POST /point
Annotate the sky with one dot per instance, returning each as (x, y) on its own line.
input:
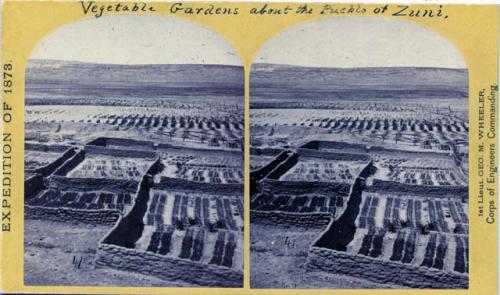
(350, 42)
(136, 39)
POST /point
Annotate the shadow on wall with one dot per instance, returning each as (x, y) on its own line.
(342, 230)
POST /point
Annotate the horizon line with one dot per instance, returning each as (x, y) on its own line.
(365, 67)
(126, 64)
(255, 63)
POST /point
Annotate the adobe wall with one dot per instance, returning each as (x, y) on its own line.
(32, 186)
(265, 151)
(363, 148)
(341, 145)
(125, 142)
(384, 186)
(92, 184)
(303, 187)
(333, 156)
(126, 232)
(201, 151)
(97, 150)
(52, 167)
(234, 189)
(409, 153)
(97, 217)
(262, 172)
(145, 149)
(70, 164)
(167, 268)
(380, 271)
(310, 220)
(338, 145)
(283, 167)
(58, 148)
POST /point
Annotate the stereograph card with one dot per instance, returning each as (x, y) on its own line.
(249, 148)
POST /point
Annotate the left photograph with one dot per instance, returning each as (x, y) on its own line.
(134, 168)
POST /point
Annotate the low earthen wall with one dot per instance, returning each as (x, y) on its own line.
(384, 186)
(58, 148)
(70, 164)
(52, 167)
(97, 217)
(167, 268)
(310, 220)
(142, 144)
(262, 172)
(333, 156)
(235, 189)
(265, 151)
(284, 166)
(303, 187)
(126, 232)
(92, 184)
(32, 186)
(409, 153)
(385, 272)
(97, 150)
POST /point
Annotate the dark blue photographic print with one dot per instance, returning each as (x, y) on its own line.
(134, 156)
(359, 158)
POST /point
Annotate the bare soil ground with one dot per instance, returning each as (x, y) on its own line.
(53, 251)
(278, 257)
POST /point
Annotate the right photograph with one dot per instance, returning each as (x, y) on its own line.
(359, 158)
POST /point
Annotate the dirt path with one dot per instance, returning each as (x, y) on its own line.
(277, 260)
(62, 254)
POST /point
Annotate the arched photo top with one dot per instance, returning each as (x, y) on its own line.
(175, 66)
(358, 58)
(136, 39)
(357, 42)
(136, 50)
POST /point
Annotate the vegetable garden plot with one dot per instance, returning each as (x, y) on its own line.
(415, 231)
(89, 200)
(394, 212)
(439, 251)
(412, 127)
(211, 174)
(182, 210)
(420, 171)
(324, 170)
(233, 160)
(364, 121)
(204, 173)
(195, 122)
(197, 244)
(432, 162)
(172, 163)
(197, 227)
(307, 203)
(137, 116)
(102, 166)
(220, 126)
(328, 118)
(417, 176)
(418, 151)
(202, 167)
